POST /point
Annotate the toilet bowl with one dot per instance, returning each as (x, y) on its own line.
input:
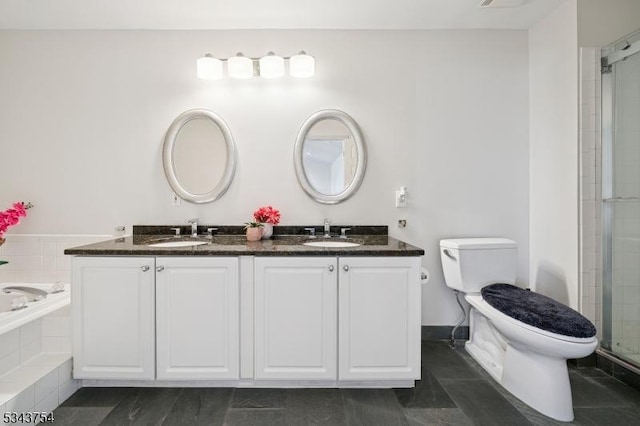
(526, 351)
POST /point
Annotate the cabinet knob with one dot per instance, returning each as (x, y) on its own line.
(145, 268)
(159, 268)
(346, 268)
(330, 268)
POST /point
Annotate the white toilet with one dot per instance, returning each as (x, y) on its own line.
(521, 338)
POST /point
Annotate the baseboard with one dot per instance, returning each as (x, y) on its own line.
(588, 361)
(443, 332)
(618, 369)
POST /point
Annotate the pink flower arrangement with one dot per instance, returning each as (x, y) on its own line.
(267, 214)
(12, 216)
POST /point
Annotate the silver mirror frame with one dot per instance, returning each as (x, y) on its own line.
(298, 153)
(168, 158)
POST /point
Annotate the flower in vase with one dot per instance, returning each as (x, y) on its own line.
(267, 214)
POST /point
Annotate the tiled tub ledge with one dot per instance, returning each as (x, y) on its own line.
(39, 385)
(35, 357)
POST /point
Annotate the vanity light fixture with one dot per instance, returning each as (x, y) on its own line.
(302, 65)
(209, 68)
(269, 66)
(240, 66)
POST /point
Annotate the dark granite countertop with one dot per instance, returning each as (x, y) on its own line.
(232, 243)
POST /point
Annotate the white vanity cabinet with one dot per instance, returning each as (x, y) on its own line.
(295, 318)
(113, 308)
(197, 318)
(348, 319)
(379, 310)
(163, 317)
(306, 321)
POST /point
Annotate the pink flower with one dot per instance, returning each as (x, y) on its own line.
(267, 214)
(20, 209)
(11, 216)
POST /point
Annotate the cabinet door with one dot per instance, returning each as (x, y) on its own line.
(113, 317)
(197, 318)
(379, 311)
(295, 318)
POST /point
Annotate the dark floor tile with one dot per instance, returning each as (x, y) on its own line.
(593, 392)
(199, 406)
(372, 407)
(607, 416)
(79, 416)
(254, 417)
(428, 393)
(437, 417)
(473, 364)
(98, 397)
(587, 372)
(149, 406)
(315, 407)
(535, 418)
(446, 363)
(482, 403)
(258, 398)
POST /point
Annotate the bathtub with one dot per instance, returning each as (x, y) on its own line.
(10, 320)
(35, 370)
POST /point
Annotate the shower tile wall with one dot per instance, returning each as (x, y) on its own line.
(591, 189)
(626, 221)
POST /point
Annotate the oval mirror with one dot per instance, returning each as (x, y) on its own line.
(330, 156)
(199, 156)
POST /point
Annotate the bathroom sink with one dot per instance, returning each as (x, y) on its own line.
(174, 244)
(331, 244)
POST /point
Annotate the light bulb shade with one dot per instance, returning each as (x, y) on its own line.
(209, 68)
(271, 66)
(302, 65)
(240, 67)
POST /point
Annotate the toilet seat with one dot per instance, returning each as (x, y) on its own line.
(492, 313)
(537, 310)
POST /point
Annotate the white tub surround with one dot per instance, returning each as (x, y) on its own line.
(34, 310)
(39, 258)
(35, 356)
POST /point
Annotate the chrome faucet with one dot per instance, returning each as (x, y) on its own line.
(37, 293)
(194, 227)
(327, 228)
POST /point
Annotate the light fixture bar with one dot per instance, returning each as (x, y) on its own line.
(270, 66)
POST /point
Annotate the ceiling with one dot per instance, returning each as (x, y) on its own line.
(267, 14)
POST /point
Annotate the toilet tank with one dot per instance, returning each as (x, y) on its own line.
(472, 263)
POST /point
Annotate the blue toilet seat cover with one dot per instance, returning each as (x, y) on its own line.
(537, 310)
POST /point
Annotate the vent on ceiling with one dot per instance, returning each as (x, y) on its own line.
(501, 3)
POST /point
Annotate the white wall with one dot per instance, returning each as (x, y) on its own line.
(601, 22)
(553, 198)
(469, 152)
(83, 115)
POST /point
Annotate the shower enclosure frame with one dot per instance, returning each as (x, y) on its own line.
(610, 56)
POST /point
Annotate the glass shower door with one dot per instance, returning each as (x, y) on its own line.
(621, 205)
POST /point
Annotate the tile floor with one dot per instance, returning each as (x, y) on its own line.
(454, 390)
